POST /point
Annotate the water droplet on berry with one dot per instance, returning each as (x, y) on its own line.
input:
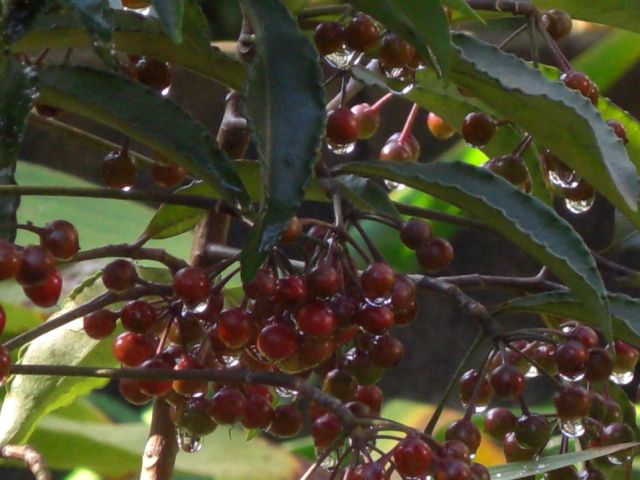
(576, 378)
(166, 91)
(579, 206)
(341, 59)
(341, 149)
(189, 443)
(533, 372)
(619, 459)
(286, 393)
(621, 378)
(231, 360)
(572, 428)
(331, 461)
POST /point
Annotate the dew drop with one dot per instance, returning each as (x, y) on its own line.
(189, 443)
(166, 91)
(576, 378)
(622, 457)
(140, 11)
(341, 149)
(533, 372)
(286, 393)
(478, 408)
(341, 59)
(572, 428)
(579, 206)
(563, 179)
(330, 461)
(621, 378)
(231, 360)
(126, 189)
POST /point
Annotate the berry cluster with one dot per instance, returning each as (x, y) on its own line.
(119, 170)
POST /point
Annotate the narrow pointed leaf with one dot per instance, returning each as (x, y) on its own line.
(170, 13)
(463, 7)
(285, 106)
(423, 23)
(559, 118)
(95, 16)
(367, 195)
(528, 223)
(621, 13)
(145, 116)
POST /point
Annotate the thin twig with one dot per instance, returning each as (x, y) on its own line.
(130, 251)
(30, 457)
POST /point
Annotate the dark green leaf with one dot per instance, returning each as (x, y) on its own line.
(95, 16)
(145, 116)
(622, 14)
(423, 23)
(463, 7)
(528, 223)
(513, 471)
(170, 13)
(285, 106)
(367, 195)
(17, 89)
(559, 118)
(140, 35)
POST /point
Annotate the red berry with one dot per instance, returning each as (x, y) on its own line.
(375, 319)
(193, 416)
(138, 316)
(155, 387)
(362, 33)
(10, 260)
(466, 432)
(412, 457)
(119, 275)
(234, 327)
(558, 23)
(438, 127)
(368, 471)
(136, 4)
(227, 405)
(153, 73)
(533, 431)
(100, 324)
(498, 422)
(292, 231)
(5, 364)
(387, 351)
(619, 130)
(262, 285)
(414, 233)
(341, 384)
(188, 387)
(453, 469)
(572, 403)
(47, 293)
(192, 285)
(599, 365)
(119, 170)
(585, 335)
(368, 120)
(581, 82)
(61, 238)
(167, 174)
(323, 281)
(478, 129)
(435, 254)
(467, 386)
(626, 357)
(287, 421)
(507, 381)
(37, 266)
(325, 430)
(514, 451)
(131, 349)
(291, 289)
(342, 127)
(410, 142)
(277, 341)
(395, 52)
(329, 37)
(131, 392)
(571, 357)
(377, 280)
(371, 396)
(403, 293)
(316, 319)
(395, 152)
(258, 412)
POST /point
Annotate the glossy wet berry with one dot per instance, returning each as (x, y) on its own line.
(396, 152)
(412, 457)
(466, 432)
(234, 327)
(342, 126)
(368, 471)
(277, 341)
(341, 384)
(453, 469)
(329, 37)
(619, 129)
(60, 238)
(572, 402)
(514, 451)
(507, 381)
(582, 83)
(323, 281)
(193, 416)
(467, 387)
(626, 357)
(131, 349)
(227, 405)
(119, 275)
(167, 174)
(155, 387)
(599, 365)
(153, 73)
(368, 120)
(316, 319)
(435, 254)
(10, 260)
(439, 128)
(258, 412)
(362, 33)
(188, 388)
(192, 285)
(377, 280)
(480, 472)
(36, 267)
(395, 52)
(414, 232)
(375, 319)
(287, 421)
(533, 431)
(138, 316)
(119, 170)
(131, 392)
(499, 421)
(47, 293)
(387, 351)
(478, 129)
(325, 429)
(370, 395)
(558, 23)
(585, 335)
(100, 324)
(571, 357)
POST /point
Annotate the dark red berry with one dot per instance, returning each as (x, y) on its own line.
(155, 387)
(362, 33)
(341, 384)
(585, 335)
(599, 365)
(467, 386)
(60, 238)
(277, 341)
(10, 260)
(571, 357)
(234, 327)
(119, 170)
(435, 254)
(119, 275)
(480, 472)
(466, 432)
(453, 469)
(581, 82)
(507, 381)
(558, 23)
(292, 231)
(396, 152)
(131, 392)
(228, 405)
(37, 266)
(189, 387)
(438, 127)
(564, 473)
(499, 421)
(153, 73)
(370, 395)
(329, 37)
(325, 430)
(368, 120)
(375, 319)
(138, 316)
(626, 357)
(47, 293)
(167, 174)
(136, 4)
(572, 402)
(395, 52)
(368, 471)
(100, 324)
(619, 130)
(323, 281)
(387, 351)
(131, 349)
(258, 412)
(410, 142)
(377, 280)
(412, 457)
(533, 431)
(193, 416)
(263, 284)
(287, 421)
(514, 451)
(478, 129)
(414, 233)
(291, 289)
(316, 319)
(615, 434)
(192, 285)
(342, 127)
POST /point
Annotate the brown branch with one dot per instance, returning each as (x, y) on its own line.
(527, 284)
(161, 448)
(30, 457)
(132, 251)
(516, 7)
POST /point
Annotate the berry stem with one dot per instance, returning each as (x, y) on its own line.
(130, 251)
(523, 145)
(533, 41)
(408, 125)
(471, 407)
(462, 366)
(561, 60)
(516, 7)
(381, 101)
(30, 457)
(377, 256)
(512, 36)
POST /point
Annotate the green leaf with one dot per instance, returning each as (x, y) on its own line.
(624, 309)
(115, 450)
(423, 23)
(16, 98)
(140, 35)
(559, 118)
(285, 106)
(170, 13)
(463, 7)
(513, 471)
(172, 220)
(623, 14)
(95, 16)
(20, 18)
(20, 319)
(145, 116)
(528, 223)
(367, 195)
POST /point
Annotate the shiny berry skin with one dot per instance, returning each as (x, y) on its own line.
(10, 260)
(323, 281)
(136, 4)
(412, 457)
(455, 449)
(572, 403)
(341, 384)
(403, 294)
(498, 422)
(375, 319)
(263, 284)
(342, 126)
(395, 52)
(325, 429)
(234, 327)
(5, 364)
(370, 395)
(138, 316)
(619, 130)
(188, 387)
(439, 128)
(585, 335)
(507, 381)
(362, 33)
(616, 433)
(533, 431)
(387, 351)
(368, 471)
(599, 365)
(410, 142)
(287, 421)
(514, 451)
(131, 349)
(453, 469)
(329, 37)
(99, 324)
(435, 254)
(192, 285)
(292, 231)
(581, 191)
(480, 472)
(60, 238)
(467, 386)
(47, 293)
(167, 174)
(258, 412)
(377, 280)
(131, 392)
(571, 357)
(155, 387)
(368, 120)
(277, 342)
(581, 82)
(291, 289)
(395, 152)
(153, 73)
(193, 416)
(466, 432)
(414, 232)
(626, 357)
(119, 170)
(37, 265)
(316, 319)
(478, 129)
(119, 275)
(227, 406)
(559, 23)
(509, 167)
